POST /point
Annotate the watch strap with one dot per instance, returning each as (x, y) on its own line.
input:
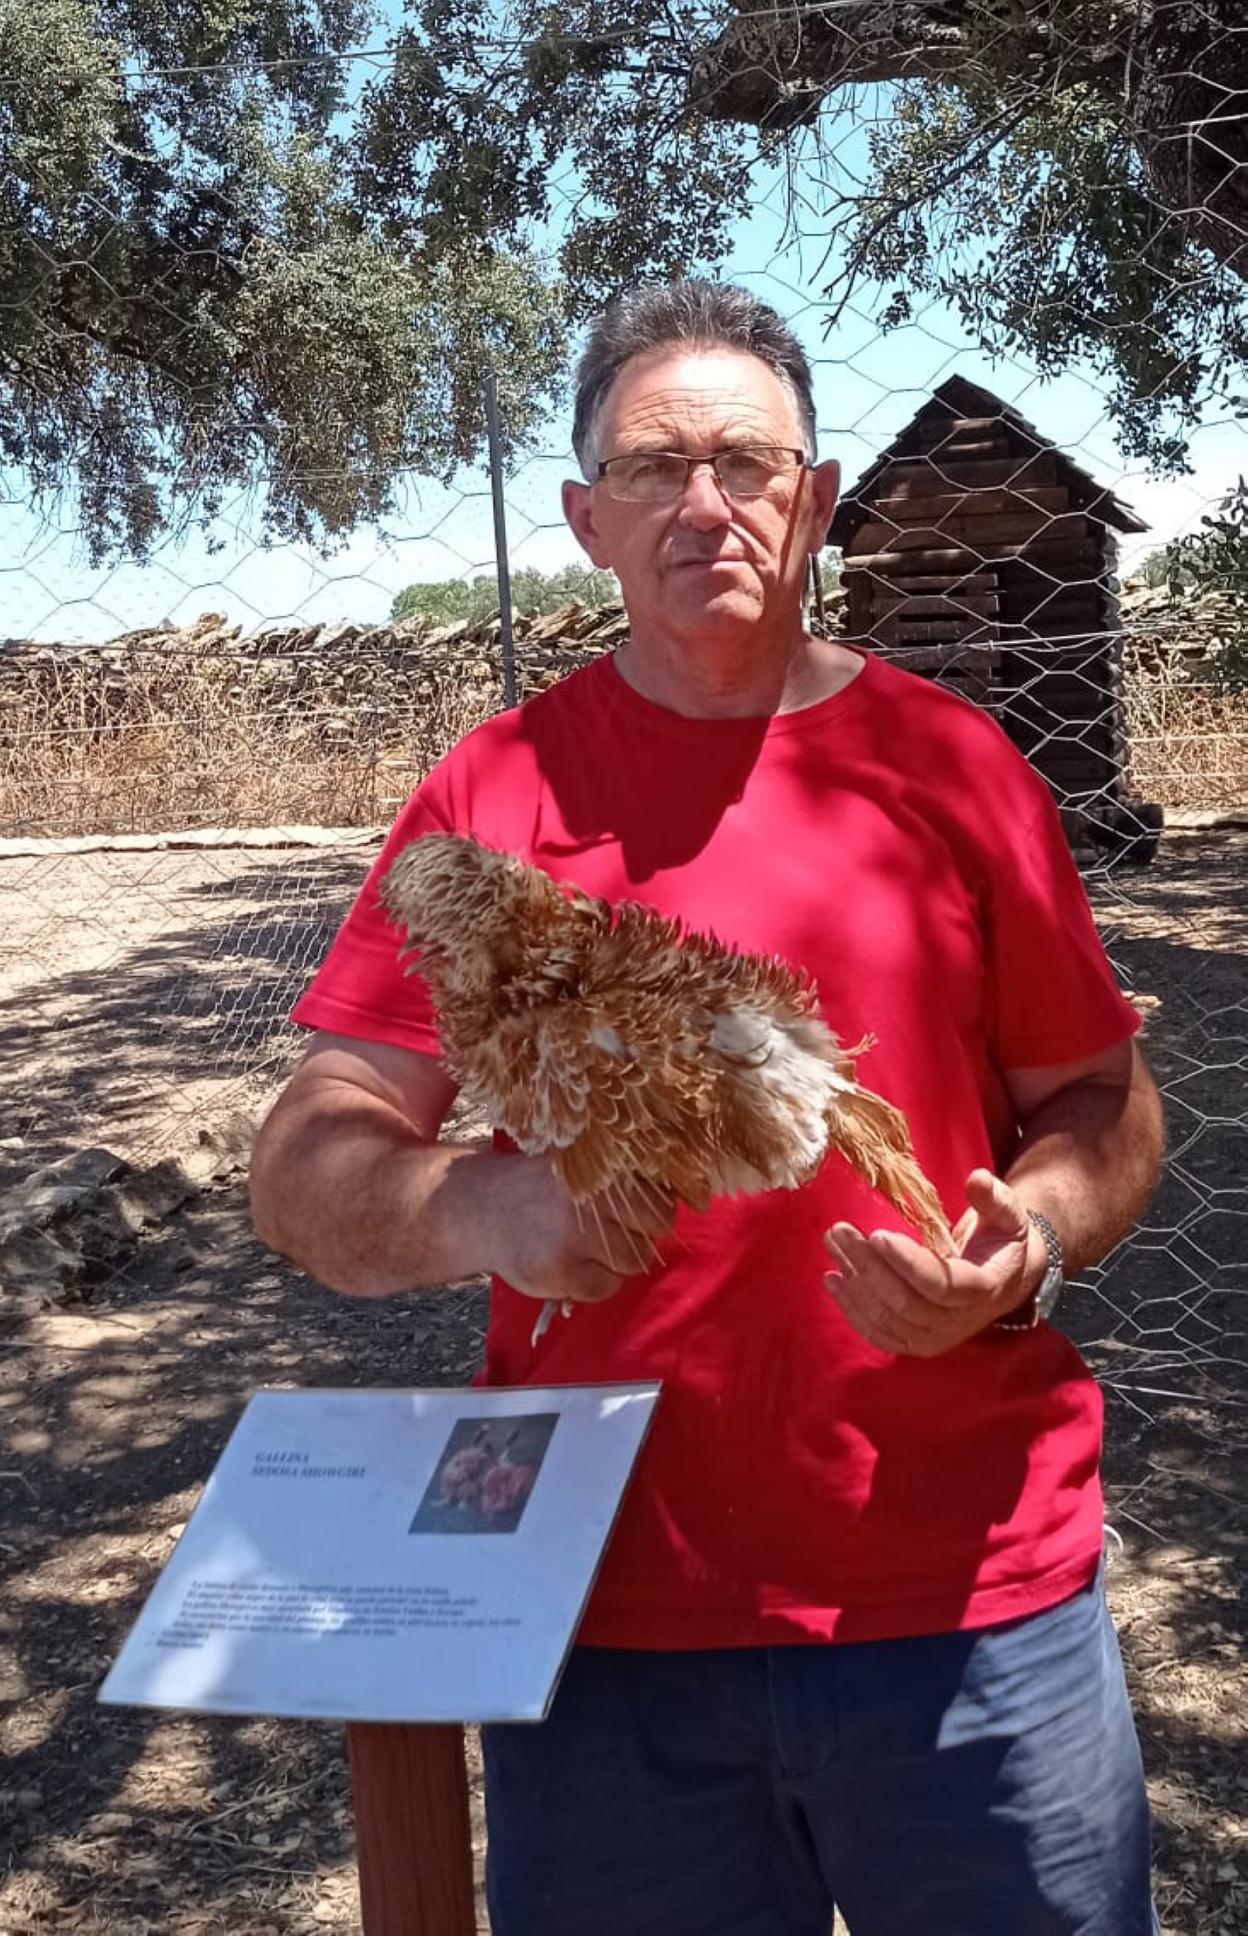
(1043, 1299)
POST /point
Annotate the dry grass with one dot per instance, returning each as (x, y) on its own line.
(1189, 743)
(178, 739)
(218, 741)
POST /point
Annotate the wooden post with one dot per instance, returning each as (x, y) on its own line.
(412, 1830)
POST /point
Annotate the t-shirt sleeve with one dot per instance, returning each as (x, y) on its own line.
(361, 988)
(1052, 995)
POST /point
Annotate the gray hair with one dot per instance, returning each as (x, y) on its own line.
(701, 315)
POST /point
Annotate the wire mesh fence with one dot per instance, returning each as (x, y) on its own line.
(1012, 242)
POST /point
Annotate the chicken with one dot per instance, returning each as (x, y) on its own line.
(505, 1488)
(644, 1059)
(463, 1476)
(476, 1478)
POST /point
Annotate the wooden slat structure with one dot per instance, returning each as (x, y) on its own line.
(978, 553)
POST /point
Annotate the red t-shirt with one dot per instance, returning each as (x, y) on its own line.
(798, 1484)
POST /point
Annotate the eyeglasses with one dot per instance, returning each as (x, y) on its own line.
(660, 476)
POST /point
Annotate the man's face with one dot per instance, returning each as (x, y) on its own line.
(705, 565)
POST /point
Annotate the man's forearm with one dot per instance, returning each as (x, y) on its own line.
(1088, 1162)
(344, 1186)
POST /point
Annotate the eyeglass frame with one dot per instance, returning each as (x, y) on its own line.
(603, 473)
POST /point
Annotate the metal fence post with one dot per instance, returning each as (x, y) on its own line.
(500, 541)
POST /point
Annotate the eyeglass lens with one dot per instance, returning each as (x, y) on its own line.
(652, 475)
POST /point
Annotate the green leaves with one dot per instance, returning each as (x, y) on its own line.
(1030, 214)
(62, 89)
(532, 592)
(1210, 564)
(195, 298)
(1014, 168)
(232, 261)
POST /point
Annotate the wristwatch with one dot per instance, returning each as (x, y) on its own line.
(1043, 1299)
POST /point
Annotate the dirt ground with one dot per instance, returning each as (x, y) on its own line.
(115, 1820)
(144, 989)
(124, 1823)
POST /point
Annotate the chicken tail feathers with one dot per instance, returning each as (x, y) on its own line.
(873, 1138)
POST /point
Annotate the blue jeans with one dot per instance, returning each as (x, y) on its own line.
(976, 1784)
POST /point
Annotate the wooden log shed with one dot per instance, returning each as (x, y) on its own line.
(976, 552)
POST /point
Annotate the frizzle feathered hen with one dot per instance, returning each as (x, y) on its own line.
(640, 1057)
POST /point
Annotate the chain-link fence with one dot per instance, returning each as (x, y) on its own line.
(1012, 242)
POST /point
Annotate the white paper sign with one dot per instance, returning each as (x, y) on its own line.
(389, 1555)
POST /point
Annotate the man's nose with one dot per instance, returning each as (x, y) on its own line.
(703, 505)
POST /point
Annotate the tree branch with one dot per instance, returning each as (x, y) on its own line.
(774, 70)
(976, 148)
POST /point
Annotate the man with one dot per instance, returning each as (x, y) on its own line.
(849, 1641)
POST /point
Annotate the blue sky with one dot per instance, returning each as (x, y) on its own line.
(867, 385)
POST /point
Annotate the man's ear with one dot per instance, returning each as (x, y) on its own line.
(825, 489)
(578, 509)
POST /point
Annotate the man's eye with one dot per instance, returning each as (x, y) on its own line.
(745, 468)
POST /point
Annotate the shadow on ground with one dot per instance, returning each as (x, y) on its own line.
(118, 1819)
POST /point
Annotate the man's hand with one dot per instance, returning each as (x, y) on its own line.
(549, 1247)
(907, 1300)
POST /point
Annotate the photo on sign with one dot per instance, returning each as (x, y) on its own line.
(485, 1474)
